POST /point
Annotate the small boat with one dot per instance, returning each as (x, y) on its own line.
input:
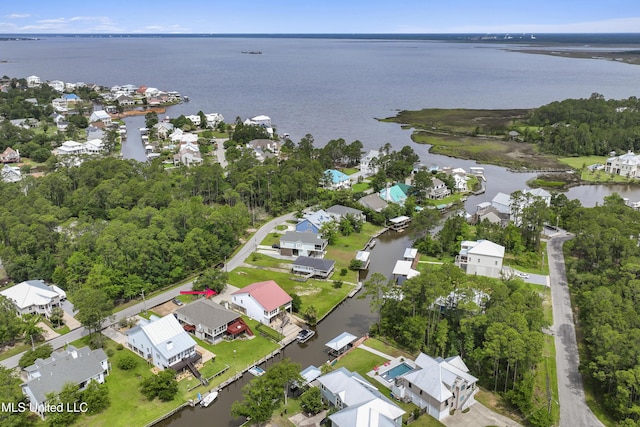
(372, 244)
(305, 335)
(256, 370)
(208, 399)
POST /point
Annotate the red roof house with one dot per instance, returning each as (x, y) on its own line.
(262, 301)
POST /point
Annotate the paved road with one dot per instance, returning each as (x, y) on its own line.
(222, 159)
(233, 263)
(573, 407)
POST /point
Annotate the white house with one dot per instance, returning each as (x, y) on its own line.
(403, 270)
(313, 267)
(56, 85)
(625, 165)
(60, 105)
(101, 116)
(358, 403)
(10, 173)
(208, 320)
(163, 342)
(262, 301)
(482, 258)
(437, 385)
(213, 119)
(334, 179)
(195, 119)
(34, 297)
(69, 365)
(188, 155)
(33, 81)
(369, 163)
(295, 243)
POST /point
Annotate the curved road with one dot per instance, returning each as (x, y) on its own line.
(573, 406)
(234, 262)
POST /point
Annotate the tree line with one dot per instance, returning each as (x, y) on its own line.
(604, 275)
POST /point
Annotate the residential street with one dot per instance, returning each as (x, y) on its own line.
(573, 407)
(232, 263)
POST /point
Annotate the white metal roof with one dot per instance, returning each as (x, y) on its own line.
(341, 341)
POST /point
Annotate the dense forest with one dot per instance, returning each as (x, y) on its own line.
(604, 276)
(583, 127)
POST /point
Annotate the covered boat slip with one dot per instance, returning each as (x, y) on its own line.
(340, 344)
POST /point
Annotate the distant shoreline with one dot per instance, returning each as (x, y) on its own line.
(612, 39)
(631, 56)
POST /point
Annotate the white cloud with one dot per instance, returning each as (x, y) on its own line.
(17, 15)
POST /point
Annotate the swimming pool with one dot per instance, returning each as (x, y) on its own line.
(396, 371)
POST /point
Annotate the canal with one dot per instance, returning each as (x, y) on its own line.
(353, 315)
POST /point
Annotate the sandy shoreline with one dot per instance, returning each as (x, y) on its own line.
(627, 56)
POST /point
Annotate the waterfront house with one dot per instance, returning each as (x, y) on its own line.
(438, 190)
(502, 202)
(33, 81)
(262, 301)
(482, 258)
(163, 342)
(334, 179)
(486, 211)
(369, 164)
(313, 267)
(264, 148)
(211, 322)
(101, 116)
(437, 386)
(34, 297)
(213, 119)
(163, 129)
(373, 202)
(10, 173)
(357, 402)
(78, 366)
(338, 212)
(399, 223)
(627, 165)
(397, 193)
(194, 118)
(125, 101)
(295, 243)
(9, 155)
(312, 222)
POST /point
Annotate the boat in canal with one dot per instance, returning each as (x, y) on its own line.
(208, 399)
(256, 371)
(305, 335)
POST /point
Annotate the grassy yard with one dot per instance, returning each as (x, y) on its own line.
(345, 247)
(321, 294)
(125, 397)
(388, 349)
(230, 357)
(604, 177)
(349, 171)
(360, 187)
(582, 162)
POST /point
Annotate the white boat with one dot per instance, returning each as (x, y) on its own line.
(256, 370)
(305, 335)
(208, 399)
(372, 244)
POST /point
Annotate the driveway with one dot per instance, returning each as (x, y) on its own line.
(478, 416)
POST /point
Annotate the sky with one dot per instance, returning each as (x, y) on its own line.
(319, 16)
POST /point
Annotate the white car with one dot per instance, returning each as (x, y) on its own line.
(522, 275)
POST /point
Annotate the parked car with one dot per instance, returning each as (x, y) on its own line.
(522, 275)
(176, 301)
(275, 246)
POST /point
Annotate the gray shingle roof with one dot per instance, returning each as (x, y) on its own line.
(343, 210)
(295, 236)
(207, 313)
(62, 367)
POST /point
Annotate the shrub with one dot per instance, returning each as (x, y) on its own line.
(119, 347)
(127, 362)
(343, 271)
(337, 284)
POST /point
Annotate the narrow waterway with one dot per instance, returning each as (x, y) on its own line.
(353, 315)
(132, 147)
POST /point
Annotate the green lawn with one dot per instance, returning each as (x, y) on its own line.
(387, 349)
(321, 294)
(584, 161)
(345, 247)
(349, 171)
(125, 397)
(271, 239)
(360, 187)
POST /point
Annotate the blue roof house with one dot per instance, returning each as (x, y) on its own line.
(313, 222)
(337, 179)
(394, 194)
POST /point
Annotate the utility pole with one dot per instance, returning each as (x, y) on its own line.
(144, 301)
